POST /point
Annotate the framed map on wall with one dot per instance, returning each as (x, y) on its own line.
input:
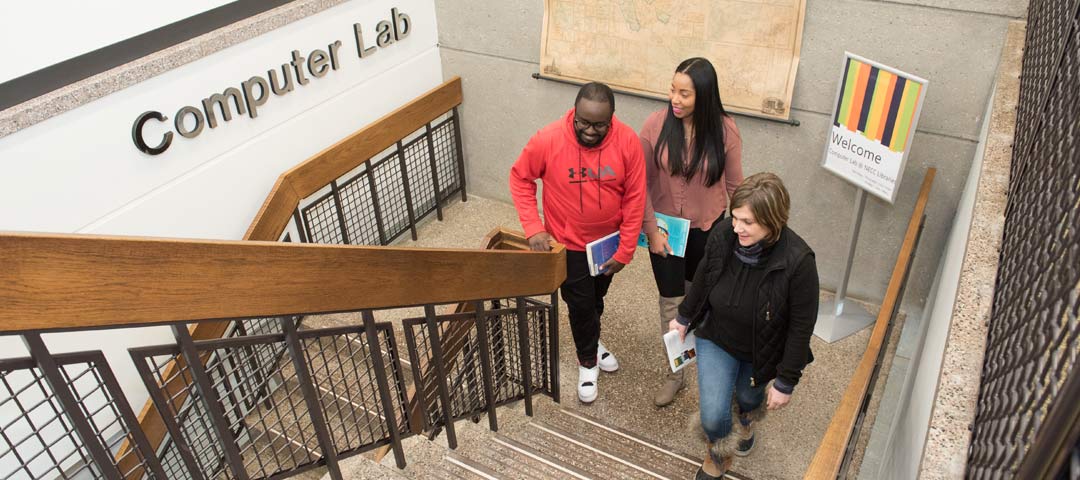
(635, 45)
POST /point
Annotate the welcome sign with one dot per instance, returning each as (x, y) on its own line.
(877, 110)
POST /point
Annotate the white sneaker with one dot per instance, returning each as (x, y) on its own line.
(586, 387)
(605, 359)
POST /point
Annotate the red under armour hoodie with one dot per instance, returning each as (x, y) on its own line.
(589, 192)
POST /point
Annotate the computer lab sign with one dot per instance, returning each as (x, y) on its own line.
(217, 108)
(877, 109)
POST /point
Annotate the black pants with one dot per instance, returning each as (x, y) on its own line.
(672, 272)
(584, 297)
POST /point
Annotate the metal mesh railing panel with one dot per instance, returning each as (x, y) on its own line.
(321, 220)
(418, 165)
(1034, 332)
(98, 401)
(446, 153)
(359, 209)
(373, 203)
(464, 371)
(274, 432)
(1049, 25)
(184, 405)
(344, 375)
(390, 185)
(36, 440)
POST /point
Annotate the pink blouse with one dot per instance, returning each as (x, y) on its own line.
(688, 199)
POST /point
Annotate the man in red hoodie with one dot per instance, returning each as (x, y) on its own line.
(593, 172)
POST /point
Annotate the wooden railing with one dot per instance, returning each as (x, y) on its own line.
(829, 460)
(64, 282)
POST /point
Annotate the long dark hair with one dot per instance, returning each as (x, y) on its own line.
(708, 127)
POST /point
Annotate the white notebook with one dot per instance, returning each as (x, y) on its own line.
(680, 353)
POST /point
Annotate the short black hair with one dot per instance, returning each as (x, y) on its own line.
(597, 92)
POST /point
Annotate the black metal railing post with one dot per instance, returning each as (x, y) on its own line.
(375, 204)
(526, 357)
(460, 153)
(299, 219)
(163, 406)
(389, 412)
(420, 391)
(210, 399)
(434, 170)
(440, 375)
(408, 190)
(485, 364)
(51, 372)
(339, 206)
(311, 398)
(553, 338)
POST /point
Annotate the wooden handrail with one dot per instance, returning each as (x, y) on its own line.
(57, 282)
(347, 154)
(334, 161)
(830, 454)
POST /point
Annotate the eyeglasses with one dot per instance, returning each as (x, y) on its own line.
(596, 126)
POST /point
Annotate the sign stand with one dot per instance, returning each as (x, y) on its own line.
(873, 124)
(842, 316)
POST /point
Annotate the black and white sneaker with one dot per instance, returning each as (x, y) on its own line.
(605, 359)
(586, 389)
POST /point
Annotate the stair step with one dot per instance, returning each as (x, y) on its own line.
(571, 449)
(626, 445)
(472, 468)
(546, 466)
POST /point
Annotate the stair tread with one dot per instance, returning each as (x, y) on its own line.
(540, 462)
(571, 450)
(626, 445)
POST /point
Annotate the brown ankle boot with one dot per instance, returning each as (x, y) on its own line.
(711, 469)
(673, 382)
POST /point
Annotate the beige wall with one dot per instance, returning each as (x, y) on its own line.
(955, 44)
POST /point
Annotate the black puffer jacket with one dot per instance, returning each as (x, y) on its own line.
(786, 303)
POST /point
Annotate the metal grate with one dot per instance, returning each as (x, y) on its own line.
(372, 207)
(418, 163)
(1034, 338)
(37, 436)
(446, 147)
(390, 187)
(265, 408)
(461, 344)
(173, 392)
(344, 376)
(37, 440)
(359, 211)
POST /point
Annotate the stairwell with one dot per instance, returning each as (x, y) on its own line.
(622, 435)
(557, 442)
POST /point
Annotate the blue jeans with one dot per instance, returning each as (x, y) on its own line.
(721, 375)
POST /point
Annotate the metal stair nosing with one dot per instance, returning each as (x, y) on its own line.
(680, 457)
(470, 465)
(571, 449)
(525, 466)
(660, 459)
(537, 456)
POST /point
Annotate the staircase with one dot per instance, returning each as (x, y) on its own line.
(555, 443)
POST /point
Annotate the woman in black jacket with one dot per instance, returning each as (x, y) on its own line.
(752, 306)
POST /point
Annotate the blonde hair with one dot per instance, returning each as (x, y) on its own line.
(764, 193)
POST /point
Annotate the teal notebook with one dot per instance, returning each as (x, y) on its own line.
(677, 231)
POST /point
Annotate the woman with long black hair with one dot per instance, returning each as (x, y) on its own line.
(693, 161)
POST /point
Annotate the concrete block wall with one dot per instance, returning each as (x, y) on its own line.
(955, 44)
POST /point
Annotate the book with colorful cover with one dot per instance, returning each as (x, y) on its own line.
(600, 251)
(680, 352)
(677, 231)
